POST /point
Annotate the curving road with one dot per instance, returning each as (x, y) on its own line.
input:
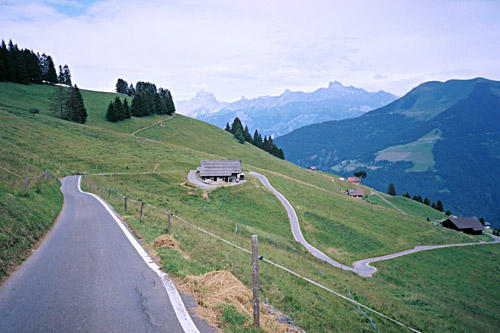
(363, 268)
(360, 267)
(294, 224)
(88, 275)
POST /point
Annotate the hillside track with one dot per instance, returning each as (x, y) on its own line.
(87, 276)
(360, 267)
(149, 126)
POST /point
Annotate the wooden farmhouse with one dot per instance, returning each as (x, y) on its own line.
(355, 193)
(354, 180)
(468, 225)
(220, 170)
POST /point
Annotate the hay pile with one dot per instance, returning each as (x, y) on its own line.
(222, 287)
(167, 241)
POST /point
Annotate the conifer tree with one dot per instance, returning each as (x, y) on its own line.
(391, 190)
(131, 90)
(121, 86)
(111, 113)
(247, 135)
(281, 154)
(439, 206)
(427, 201)
(257, 139)
(137, 108)
(75, 106)
(50, 76)
(4, 53)
(66, 76)
(58, 102)
(60, 77)
(228, 128)
(119, 111)
(126, 108)
(236, 126)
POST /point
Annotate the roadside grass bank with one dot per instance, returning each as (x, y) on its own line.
(25, 217)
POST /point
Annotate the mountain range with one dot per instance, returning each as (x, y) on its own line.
(278, 115)
(441, 140)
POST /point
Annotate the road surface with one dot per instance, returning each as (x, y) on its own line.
(88, 276)
(294, 224)
(360, 267)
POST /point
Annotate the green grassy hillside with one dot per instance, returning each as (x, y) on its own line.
(345, 228)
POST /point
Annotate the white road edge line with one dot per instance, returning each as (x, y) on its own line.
(179, 307)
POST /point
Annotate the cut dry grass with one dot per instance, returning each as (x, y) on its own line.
(214, 290)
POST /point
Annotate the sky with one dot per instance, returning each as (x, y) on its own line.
(253, 48)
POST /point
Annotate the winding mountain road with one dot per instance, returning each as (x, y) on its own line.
(360, 267)
(89, 275)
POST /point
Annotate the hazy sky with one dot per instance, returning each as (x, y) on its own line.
(234, 48)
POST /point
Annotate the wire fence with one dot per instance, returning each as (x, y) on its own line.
(157, 216)
(26, 179)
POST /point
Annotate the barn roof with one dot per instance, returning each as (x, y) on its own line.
(219, 168)
(467, 223)
(354, 179)
(355, 192)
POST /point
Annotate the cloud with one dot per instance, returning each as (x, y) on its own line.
(256, 48)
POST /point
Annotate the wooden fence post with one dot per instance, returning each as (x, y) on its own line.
(109, 193)
(255, 276)
(169, 214)
(116, 194)
(125, 204)
(142, 211)
(25, 184)
(46, 175)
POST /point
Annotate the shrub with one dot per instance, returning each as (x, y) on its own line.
(34, 110)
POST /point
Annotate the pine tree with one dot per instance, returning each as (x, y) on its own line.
(391, 190)
(257, 139)
(119, 111)
(76, 106)
(60, 77)
(126, 108)
(131, 90)
(137, 108)
(427, 201)
(228, 128)
(121, 86)
(236, 126)
(66, 76)
(439, 206)
(247, 135)
(4, 53)
(58, 102)
(433, 205)
(111, 113)
(281, 154)
(51, 75)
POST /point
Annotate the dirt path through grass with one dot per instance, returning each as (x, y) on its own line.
(158, 122)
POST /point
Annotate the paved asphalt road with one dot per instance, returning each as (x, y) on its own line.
(361, 267)
(294, 224)
(86, 276)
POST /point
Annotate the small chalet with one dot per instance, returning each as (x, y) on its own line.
(468, 225)
(313, 168)
(354, 180)
(355, 193)
(220, 170)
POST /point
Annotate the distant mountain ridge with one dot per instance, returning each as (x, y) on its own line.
(441, 140)
(278, 115)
